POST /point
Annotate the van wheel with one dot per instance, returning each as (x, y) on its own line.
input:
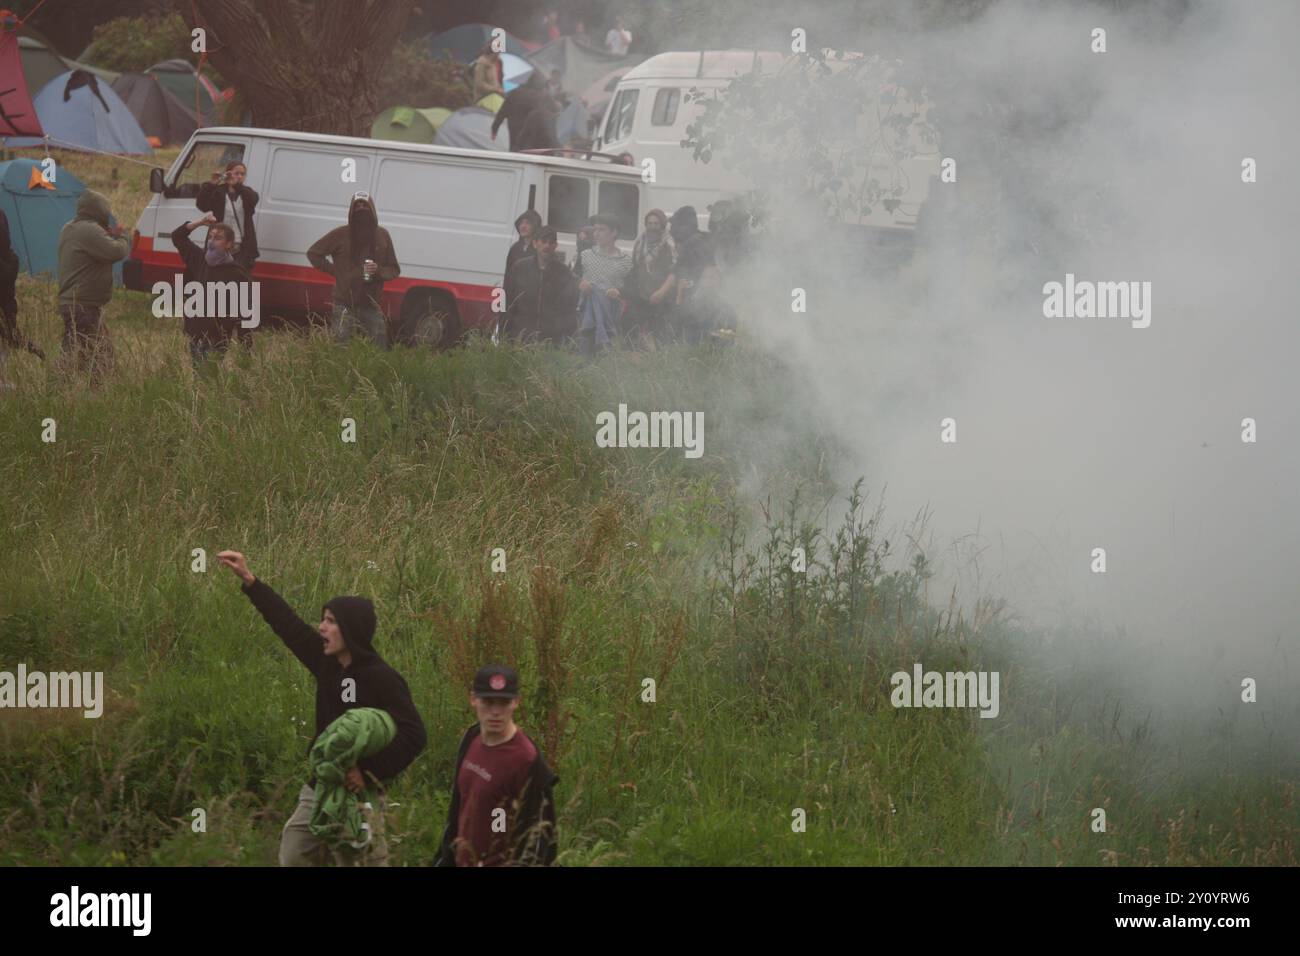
(430, 322)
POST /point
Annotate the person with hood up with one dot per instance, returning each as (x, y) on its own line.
(695, 270)
(349, 675)
(88, 247)
(361, 258)
(526, 225)
(213, 263)
(233, 203)
(502, 810)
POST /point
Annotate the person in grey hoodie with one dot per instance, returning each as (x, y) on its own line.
(88, 247)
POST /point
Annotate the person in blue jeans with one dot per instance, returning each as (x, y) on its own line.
(361, 259)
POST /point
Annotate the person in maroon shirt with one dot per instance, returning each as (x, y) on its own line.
(502, 809)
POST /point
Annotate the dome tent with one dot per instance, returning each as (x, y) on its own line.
(158, 112)
(179, 78)
(407, 125)
(471, 128)
(36, 214)
(79, 111)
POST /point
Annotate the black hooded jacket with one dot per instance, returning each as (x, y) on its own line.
(376, 684)
(533, 833)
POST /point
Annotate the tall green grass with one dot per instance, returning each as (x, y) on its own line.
(772, 687)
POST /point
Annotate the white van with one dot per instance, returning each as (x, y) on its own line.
(450, 213)
(649, 114)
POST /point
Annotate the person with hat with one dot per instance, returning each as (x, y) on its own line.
(526, 225)
(541, 294)
(349, 674)
(502, 810)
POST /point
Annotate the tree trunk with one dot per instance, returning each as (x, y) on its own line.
(311, 66)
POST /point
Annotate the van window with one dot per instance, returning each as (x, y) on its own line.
(204, 160)
(312, 176)
(622, 201)
(665, 108)
(567, 201)
(619, 124)
(446, 191)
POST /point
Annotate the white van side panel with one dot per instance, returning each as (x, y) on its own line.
(450, 221)
(303, 197)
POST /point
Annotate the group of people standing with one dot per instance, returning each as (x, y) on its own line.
(666, 289)
(368, 731)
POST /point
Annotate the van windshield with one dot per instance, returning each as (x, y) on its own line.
(619, 125)
(204, 160)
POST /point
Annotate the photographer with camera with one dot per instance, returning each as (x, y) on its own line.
(232, 203)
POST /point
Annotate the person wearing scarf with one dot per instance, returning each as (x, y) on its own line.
(343, 253)
(215, 262)
(652, 279)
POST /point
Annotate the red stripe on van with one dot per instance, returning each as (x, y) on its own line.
(304, 289)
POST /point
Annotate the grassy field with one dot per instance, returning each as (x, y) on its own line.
(772, 687)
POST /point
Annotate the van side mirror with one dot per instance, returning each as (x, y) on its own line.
(155, 180)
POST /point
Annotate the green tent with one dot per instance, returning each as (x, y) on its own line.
(491, 102)
(178, 78)
(408, 125)
(41, 64)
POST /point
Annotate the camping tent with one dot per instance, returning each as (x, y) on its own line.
(77, 113)
(579, 65)
(465, 42)
(41, 64)
(407, 125)
(158, 112)
(471, 128)
(490, 102)
(515, 71)
(36, 214)
(179, 79)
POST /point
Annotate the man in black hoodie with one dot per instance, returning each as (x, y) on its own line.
(348, 674)
(215, 262)
(515, 108)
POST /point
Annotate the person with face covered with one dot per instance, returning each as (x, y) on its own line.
(215, 262)
(696, 273)
(349, 675)
(652, 279)
(361, 259)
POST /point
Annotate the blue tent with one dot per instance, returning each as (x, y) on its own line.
(89, 117)
(465, 42)
(36, 215)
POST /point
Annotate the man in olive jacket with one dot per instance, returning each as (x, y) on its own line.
(88, 247)
(361, 259)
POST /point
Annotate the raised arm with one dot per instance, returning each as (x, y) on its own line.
(299, 636)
